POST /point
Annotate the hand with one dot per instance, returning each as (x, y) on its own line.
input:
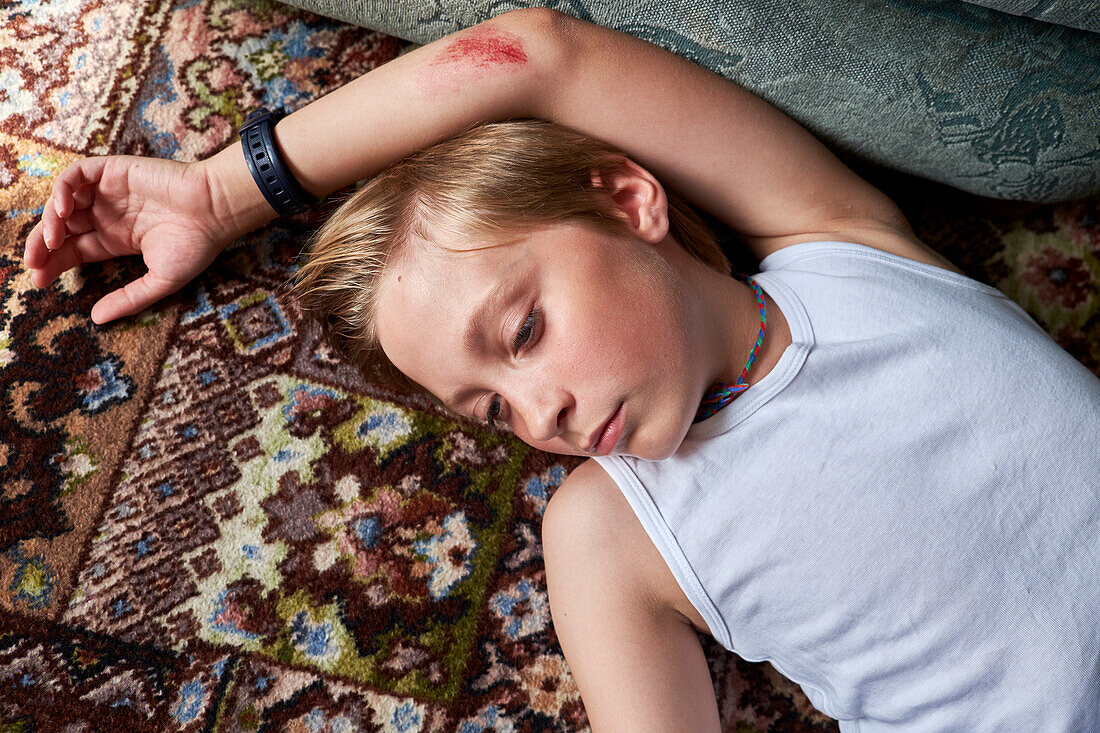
(125, 205)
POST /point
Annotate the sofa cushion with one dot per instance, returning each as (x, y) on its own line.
(1083, 14)
(991, 103)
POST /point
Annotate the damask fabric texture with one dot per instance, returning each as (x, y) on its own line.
(991, 103)
(1083, 14)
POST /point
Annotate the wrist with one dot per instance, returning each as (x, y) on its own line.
(237, 202)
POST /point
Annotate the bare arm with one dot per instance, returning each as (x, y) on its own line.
(722, 147)
(636, 659)
(179, 216)
(493, 71)
(725, 149)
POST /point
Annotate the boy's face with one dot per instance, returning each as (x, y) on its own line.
(580, 341)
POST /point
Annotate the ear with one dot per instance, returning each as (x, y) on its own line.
(639, 199)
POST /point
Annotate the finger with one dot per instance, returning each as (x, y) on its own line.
(84, 196)
(134, 297)
(78, 249)
(59, 261)
(53, 228)
(81, 198)
(78, 222)
(54, 212)
(62, 198)
(83, 172)
(35, 254)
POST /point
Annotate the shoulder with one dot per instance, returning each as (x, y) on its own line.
(588, 516)
(590, 535)
(594, 545)
(635, 657)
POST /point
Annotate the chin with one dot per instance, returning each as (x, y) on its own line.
(664, 446)
(658, 455)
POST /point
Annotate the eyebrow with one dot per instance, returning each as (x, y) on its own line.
(494, 302)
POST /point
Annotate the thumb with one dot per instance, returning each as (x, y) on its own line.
(132, 298)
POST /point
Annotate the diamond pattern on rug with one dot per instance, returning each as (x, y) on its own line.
(96, 682)
(322, 528)
(255, 321)
(298, 700)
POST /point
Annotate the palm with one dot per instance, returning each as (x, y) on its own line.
(153, 208)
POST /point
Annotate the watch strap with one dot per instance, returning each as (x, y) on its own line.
(267, 166)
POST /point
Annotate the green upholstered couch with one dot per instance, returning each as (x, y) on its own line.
(974, 95)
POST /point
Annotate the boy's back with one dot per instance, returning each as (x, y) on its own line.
(902, 516)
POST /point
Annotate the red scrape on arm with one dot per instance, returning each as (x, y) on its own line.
(475, 52)
(484, 48)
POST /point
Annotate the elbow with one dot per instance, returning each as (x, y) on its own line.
(546, 35)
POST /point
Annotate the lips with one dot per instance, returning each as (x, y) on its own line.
(607, 437)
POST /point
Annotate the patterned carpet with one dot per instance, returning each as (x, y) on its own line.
(208, 522)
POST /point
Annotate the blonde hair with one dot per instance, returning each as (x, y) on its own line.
(488, 183)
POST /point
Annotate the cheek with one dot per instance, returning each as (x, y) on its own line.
(644, 313)
(639, 337)
(605, 346)
(556, 446)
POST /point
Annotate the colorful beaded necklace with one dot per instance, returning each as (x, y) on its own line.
(721, 394)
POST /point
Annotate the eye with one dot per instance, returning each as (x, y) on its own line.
(527, 330)
(492, 412)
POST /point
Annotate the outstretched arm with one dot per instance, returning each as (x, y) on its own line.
(496, 70)
(722, 147)
(179, 216)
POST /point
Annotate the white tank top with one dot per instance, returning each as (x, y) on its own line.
(903, 516)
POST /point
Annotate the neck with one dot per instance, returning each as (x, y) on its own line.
(736, 316)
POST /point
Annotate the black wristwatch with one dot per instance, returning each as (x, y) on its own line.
(268, 169)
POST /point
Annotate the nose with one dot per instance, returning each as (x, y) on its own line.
(544, 411)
